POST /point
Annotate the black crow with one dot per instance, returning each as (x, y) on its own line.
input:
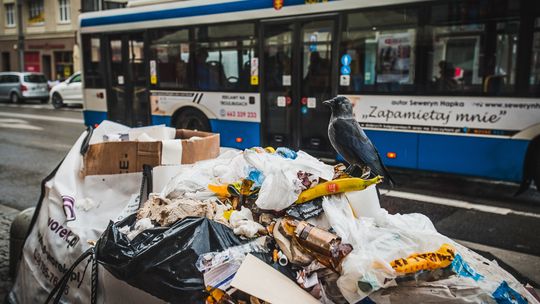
(349, 140)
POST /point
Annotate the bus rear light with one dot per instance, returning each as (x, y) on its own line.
(239, 139)
(96, 125)
(391, 155)
(24, 88)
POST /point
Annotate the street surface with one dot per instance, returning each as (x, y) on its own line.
(484, 215)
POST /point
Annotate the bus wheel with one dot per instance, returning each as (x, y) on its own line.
(536, 168)
(531, 168)
(192, 119)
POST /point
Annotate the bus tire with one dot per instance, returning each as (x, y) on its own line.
(536, 166)
(192, 119)
(531, 167)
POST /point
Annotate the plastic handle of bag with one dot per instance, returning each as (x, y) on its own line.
(86, 141)
(146, 180)
(60, 287)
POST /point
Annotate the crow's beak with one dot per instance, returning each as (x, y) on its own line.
(328, 102)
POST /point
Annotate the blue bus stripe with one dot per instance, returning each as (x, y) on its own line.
(210, 9)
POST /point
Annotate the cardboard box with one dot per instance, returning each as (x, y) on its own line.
(130, 156)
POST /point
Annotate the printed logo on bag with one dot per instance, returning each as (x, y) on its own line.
(331, 187)
(52, 269)
(63, 232)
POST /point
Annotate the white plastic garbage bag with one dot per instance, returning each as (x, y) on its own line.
(193, 180)
(73, 210)
(380, 240)
(376, 243)
(280, 188)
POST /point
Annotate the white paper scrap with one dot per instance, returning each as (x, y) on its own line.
(171, 152)
(264, 282)
(162, 175)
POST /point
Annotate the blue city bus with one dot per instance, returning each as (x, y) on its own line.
(445, 86)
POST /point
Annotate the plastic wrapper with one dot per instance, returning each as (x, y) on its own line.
(161, 261)
(281, 176)
(243, 224)
(227, 168)
(306, 210)
(209, 260)
(367, 268)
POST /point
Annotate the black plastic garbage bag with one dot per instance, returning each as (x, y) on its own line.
(161, 261)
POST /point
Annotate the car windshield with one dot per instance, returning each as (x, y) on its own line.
(37, 78)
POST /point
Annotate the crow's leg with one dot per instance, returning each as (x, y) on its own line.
(366, 172)
(349, 170)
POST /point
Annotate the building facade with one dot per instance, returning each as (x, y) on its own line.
(50, 39)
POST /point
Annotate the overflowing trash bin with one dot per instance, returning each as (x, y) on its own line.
(260, 225)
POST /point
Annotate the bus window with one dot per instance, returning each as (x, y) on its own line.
(170, 49)
(500, 75)
(534, 81)
(471, 53)
(381, 47)
(222, 59)
(455, 58)
(93, 63)
(317, 44)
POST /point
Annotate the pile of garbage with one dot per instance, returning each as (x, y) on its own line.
(280, 226)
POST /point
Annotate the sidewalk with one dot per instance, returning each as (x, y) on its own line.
(6, 216)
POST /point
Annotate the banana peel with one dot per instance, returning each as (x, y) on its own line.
(337, 186)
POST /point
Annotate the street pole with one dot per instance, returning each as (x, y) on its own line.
(20, 31)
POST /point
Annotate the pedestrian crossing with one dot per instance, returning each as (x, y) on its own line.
(38, 106)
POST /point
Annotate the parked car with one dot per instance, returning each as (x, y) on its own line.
(20, 86)
(68, 91)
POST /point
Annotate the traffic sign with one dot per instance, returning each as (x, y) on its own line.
(345, 70)
(346, 60)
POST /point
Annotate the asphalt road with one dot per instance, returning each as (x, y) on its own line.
(31, 147)
(484, 214)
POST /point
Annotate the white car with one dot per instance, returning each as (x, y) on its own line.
(68, 91)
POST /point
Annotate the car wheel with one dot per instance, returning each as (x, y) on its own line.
(57, 101)
(192, 119)
(14, 98)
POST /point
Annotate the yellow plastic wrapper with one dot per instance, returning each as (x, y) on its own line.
(220, 190)
(425, 261)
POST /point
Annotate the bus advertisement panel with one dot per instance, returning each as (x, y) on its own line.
(471, 116)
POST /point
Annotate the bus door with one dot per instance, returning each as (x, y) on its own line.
(297, 76)
(128, 101)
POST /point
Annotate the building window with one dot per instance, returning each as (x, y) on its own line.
(36, 14)
(64, 10)
(10, 15)
(63, 62)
